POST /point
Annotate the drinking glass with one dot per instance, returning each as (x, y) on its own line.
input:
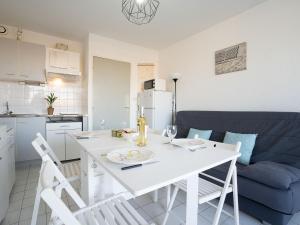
(171, 132)
(102, 125)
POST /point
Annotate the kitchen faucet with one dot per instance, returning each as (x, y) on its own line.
(8, 112)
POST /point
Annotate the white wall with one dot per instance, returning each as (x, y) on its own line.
(120, 51)
(272, 80)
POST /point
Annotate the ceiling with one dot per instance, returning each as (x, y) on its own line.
(74, 19)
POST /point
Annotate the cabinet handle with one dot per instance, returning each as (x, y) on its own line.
(60, 133)
(0, 158)
(64, 126)
(11, 74)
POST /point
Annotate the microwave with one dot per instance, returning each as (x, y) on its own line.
(156, 84)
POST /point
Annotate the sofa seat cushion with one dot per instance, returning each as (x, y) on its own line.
(272, 174)
(282, 200)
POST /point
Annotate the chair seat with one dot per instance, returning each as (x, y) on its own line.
(114, 212)
(71, 169)
(207, 191)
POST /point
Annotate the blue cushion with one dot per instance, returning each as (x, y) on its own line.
(248, 143)
(205, 134)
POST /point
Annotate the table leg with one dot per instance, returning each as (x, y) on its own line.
(87, 182)
(192, 200)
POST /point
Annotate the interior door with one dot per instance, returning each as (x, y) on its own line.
(111, 91)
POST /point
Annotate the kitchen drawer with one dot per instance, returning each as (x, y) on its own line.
(64, 126)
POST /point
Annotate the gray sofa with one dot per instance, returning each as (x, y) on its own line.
(269, 188)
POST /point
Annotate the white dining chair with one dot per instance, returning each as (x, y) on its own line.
(71, 170)
(112, 211)
(211, 188)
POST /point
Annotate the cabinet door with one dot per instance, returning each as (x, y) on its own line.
(8, 59)
(56, 140)
(74, 61)
(4, 184)
(72, 147)
(32, 61)
(26, 130)
(58, 59)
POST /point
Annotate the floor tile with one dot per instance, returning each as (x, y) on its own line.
(209, 214)
(28, 202)
(30, 193)
(153, 209)
(133, 203)
(248, 220)
(143, 200)
(19, 188)
(12, 217)
(26, 213)
(17, 196)
(295, 219)
(32, 185)
(15, 206)
(40, 221)
(144, 214)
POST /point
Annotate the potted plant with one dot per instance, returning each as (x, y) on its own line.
(50, 100)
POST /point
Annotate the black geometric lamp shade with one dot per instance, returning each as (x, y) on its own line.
(139, 11)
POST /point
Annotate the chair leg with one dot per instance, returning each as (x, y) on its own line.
(224, 193)
(235, 198)
(168, 198)
(36, 205)
(170, 205)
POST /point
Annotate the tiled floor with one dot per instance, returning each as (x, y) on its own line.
(22, 200)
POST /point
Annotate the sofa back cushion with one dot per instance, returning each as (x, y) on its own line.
(278, 138)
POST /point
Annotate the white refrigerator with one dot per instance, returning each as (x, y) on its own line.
(157, 108)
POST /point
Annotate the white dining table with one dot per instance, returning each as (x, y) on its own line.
(175, 164)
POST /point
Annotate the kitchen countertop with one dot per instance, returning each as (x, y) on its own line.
(39, 115)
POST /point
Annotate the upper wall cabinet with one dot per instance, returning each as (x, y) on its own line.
(22, 61)
(63, 62)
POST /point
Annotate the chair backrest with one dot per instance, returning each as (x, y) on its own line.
(43, 148)
(52, 182)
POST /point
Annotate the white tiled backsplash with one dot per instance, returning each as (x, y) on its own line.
(30, 99)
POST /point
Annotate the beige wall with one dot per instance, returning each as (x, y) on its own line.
(145, 72)
(271, 82)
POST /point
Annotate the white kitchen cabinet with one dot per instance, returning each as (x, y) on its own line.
(7, 168)
(4, 185)
(8, 59)
(63, 62)
(59, 139)
(72, 147)
(56, 139)
(26, 130)
(22, 61)
(32, 61)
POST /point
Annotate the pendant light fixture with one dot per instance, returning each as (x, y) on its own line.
(139, 11)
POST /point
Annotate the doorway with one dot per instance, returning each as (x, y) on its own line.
(111, 94)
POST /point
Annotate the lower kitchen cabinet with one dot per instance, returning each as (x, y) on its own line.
(56, 140)
(4, 184)
(7, 168)
(26, 130)
(59, 139)
(72, 147)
